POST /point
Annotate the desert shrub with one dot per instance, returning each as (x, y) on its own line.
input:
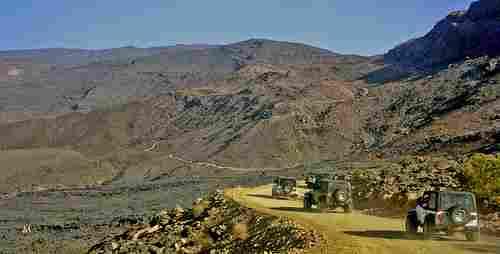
(482, 174)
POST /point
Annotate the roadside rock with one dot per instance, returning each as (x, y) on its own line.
(490, 223)
(213, 225)
(399, 183)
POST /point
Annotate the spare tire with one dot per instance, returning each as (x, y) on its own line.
(341, 195)
(458, 215)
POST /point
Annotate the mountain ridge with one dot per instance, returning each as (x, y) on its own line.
(472, 33)
(254, 103)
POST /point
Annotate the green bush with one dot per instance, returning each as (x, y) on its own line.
(482, 173)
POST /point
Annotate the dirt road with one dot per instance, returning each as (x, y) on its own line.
(359, 233)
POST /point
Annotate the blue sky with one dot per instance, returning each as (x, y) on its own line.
(364, 27)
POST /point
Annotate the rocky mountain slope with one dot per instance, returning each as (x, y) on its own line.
(257, 104)
(454, 111)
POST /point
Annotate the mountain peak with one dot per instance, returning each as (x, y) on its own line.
(461, 34)
(484, 9)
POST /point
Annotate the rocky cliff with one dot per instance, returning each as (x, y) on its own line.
(471, 33)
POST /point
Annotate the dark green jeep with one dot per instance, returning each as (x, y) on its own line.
(313, 178)
(284, 186)
(330, 194)
(445, 211)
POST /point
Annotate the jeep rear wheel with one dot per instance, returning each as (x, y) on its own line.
(348, 208)
(472, 236)
(307, 202)
(323, 203)
(410, 227)
(275, 192)
(428, 230)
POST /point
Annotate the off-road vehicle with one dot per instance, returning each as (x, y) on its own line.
(330, 194)
(284, 186)
(445, 211)
(314, 178)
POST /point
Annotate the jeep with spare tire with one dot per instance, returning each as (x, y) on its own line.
(444, 211)
(329, 194)
(284, 186)
(313, 178)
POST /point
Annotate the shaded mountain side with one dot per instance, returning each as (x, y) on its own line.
(440, 92)
(460, 35)
(472, 33)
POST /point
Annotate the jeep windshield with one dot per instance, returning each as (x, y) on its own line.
(450, 199)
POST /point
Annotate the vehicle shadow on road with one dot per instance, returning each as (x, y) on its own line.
(481, 248)
(301, 209)
(395, 234)
(269, 197)
(385, 234)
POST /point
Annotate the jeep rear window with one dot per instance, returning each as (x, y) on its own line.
(324, 186)
(340, 185)
(464, 200)
(432, 201)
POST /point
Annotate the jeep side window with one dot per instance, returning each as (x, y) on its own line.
(432, 201)
(424, 202)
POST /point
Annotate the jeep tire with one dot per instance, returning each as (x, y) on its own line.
(307, 202)
(428, 230)
(348, 208)
(410, 227)
(472, 236)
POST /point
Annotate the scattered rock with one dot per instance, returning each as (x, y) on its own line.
(399, 182)
(221, 226)
(490, 223)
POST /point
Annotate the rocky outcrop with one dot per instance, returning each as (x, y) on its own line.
(411, 175)
(423, 114)
(490, 223)
(448, 90)
(461, 34)
(213, 225)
